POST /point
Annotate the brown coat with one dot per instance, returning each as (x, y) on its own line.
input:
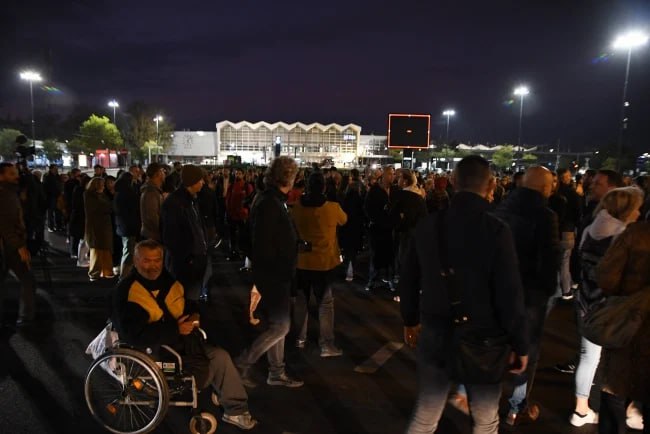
(99, 229)
(624, 270)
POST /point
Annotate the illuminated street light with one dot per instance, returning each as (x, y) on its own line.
(114, 105)
(449, 113)
(157, 120)
(627, 41)
(521, 92)
(32, 76)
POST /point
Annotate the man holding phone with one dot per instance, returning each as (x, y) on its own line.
(149, 310)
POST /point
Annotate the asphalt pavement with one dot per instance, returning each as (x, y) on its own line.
(370, 389)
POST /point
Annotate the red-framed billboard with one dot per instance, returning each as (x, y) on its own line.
(409, 131)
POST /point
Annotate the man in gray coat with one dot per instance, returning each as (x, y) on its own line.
(14, 254)
(151, 199)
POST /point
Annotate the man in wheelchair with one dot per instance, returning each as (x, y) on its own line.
(149, 310)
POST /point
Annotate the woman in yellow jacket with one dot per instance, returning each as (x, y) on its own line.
(316, 221)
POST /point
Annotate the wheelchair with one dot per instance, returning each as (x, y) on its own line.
(128, 392)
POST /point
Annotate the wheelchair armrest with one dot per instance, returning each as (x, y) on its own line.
(175, 353)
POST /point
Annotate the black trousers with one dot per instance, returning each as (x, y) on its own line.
(613, 415)
(191, 276)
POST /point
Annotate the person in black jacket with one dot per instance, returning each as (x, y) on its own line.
(149, 310)
(568, 227)
(482, 253)
(535, 230)
(274, 258)
(380, 228)
(183, 233)
(14, 252)
(126, 206)
(53, 188)
(408, 208)
(351, 233)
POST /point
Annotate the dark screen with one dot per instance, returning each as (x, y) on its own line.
(408, 131)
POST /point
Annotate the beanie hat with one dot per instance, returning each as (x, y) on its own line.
(191, 174)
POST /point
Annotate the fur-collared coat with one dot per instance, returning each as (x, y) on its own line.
(625, 270)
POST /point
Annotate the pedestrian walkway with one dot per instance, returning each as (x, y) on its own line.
(370, 389)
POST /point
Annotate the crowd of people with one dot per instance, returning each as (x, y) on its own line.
(515, 245)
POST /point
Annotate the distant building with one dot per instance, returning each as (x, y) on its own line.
(193, 146)
(308, 143)
(256, 143)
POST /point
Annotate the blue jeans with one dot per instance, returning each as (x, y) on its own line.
(434, 385)
(536, 313)
(128, 246)
(567, 244)
(270, 341)
(589, 360)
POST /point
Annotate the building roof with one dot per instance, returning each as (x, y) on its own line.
(295, 125)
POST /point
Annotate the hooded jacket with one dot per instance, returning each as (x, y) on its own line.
(596, 239)
(316, 220)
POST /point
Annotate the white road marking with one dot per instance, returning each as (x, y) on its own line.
(378, 359)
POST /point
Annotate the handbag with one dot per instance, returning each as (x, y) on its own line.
(616, 320)
(477, 355)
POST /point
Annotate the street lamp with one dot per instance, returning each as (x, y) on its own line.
(627, 41)
(32, 76)
(521, 92)
(157, 120)
(114, 105)
(449, 113)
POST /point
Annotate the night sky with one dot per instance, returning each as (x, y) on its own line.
(339, 61)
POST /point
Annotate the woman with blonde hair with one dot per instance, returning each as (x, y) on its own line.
(99, 230)
(616, 210)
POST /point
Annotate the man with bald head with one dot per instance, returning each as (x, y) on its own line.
(534, 227)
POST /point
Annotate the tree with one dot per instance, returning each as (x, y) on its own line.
(52, 150)
(503, 157)
(528, 159)
(8, 143)
(609, 164)
(141, 127)
(97, 132)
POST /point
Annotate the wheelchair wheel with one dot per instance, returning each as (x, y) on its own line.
(204, 423)
(126, 392)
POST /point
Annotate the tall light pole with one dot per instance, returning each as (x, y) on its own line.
(112, 103)
(32, 76)
(449, 113)
(521, 92)
(157, 120)
(627, 41)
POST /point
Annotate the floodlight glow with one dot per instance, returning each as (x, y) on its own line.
(113, 104)
(31, 76)
(630, 40)
(158, 118)
(449, 113)
(521, 91)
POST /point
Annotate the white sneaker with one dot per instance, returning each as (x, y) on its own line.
(634, 417)
(578, 420)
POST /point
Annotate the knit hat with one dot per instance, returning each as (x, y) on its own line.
(191, 174)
